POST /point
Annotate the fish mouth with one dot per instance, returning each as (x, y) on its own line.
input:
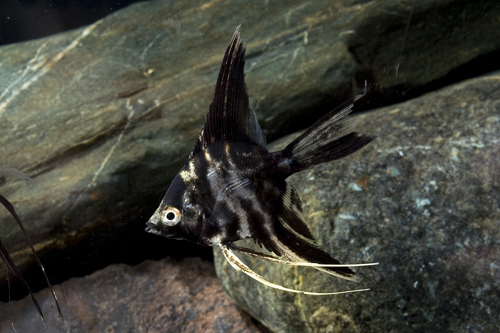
(152, 228)
(152, 224)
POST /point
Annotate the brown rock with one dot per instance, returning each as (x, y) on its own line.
(163, 296)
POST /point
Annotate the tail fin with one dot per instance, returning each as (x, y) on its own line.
(327, 140)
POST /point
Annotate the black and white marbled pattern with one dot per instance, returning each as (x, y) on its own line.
(231, 187)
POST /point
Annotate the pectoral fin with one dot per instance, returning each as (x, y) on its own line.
(224, 208)
(225, 222)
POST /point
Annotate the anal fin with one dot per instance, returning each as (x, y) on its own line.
(291, 212)
(298, 249)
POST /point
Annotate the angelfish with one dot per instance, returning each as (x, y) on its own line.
(231, 187)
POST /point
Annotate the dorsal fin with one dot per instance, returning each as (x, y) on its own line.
(231, 117)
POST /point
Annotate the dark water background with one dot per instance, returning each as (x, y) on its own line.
(29, 19)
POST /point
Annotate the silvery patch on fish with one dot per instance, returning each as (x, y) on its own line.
(231, 187)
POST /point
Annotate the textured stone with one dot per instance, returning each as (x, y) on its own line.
(102, 117)
(423, 200)
(163, 296)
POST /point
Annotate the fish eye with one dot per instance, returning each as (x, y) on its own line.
(170, 216)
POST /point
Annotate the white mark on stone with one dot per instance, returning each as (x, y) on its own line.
(108, 156)
(423, 202)
(454, 154)
(347, 216)
(354, 187)
(28, 68)
(41, 68)
(468, 142)
(146, 49)
(176, 26)
(347, 32)
(423, 147)
(106, 159)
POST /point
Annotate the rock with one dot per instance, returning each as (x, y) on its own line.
(102, 117)
(423, 200)
(164, 296)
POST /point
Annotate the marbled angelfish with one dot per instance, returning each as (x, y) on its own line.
(231, 187)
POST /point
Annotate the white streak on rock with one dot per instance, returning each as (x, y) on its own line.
(41, 67)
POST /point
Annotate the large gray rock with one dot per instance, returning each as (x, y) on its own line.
(102, 117)
(423, 200)
(163, 296)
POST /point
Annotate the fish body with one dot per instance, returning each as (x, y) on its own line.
(231, 187)
(197, 188)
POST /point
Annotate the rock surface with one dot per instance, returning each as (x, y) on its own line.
(163, 296)
(103, 117)
(423, 200)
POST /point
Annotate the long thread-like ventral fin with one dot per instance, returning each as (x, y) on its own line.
(260, 255)
(6, 203)
(237, 264)
(4, 254)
